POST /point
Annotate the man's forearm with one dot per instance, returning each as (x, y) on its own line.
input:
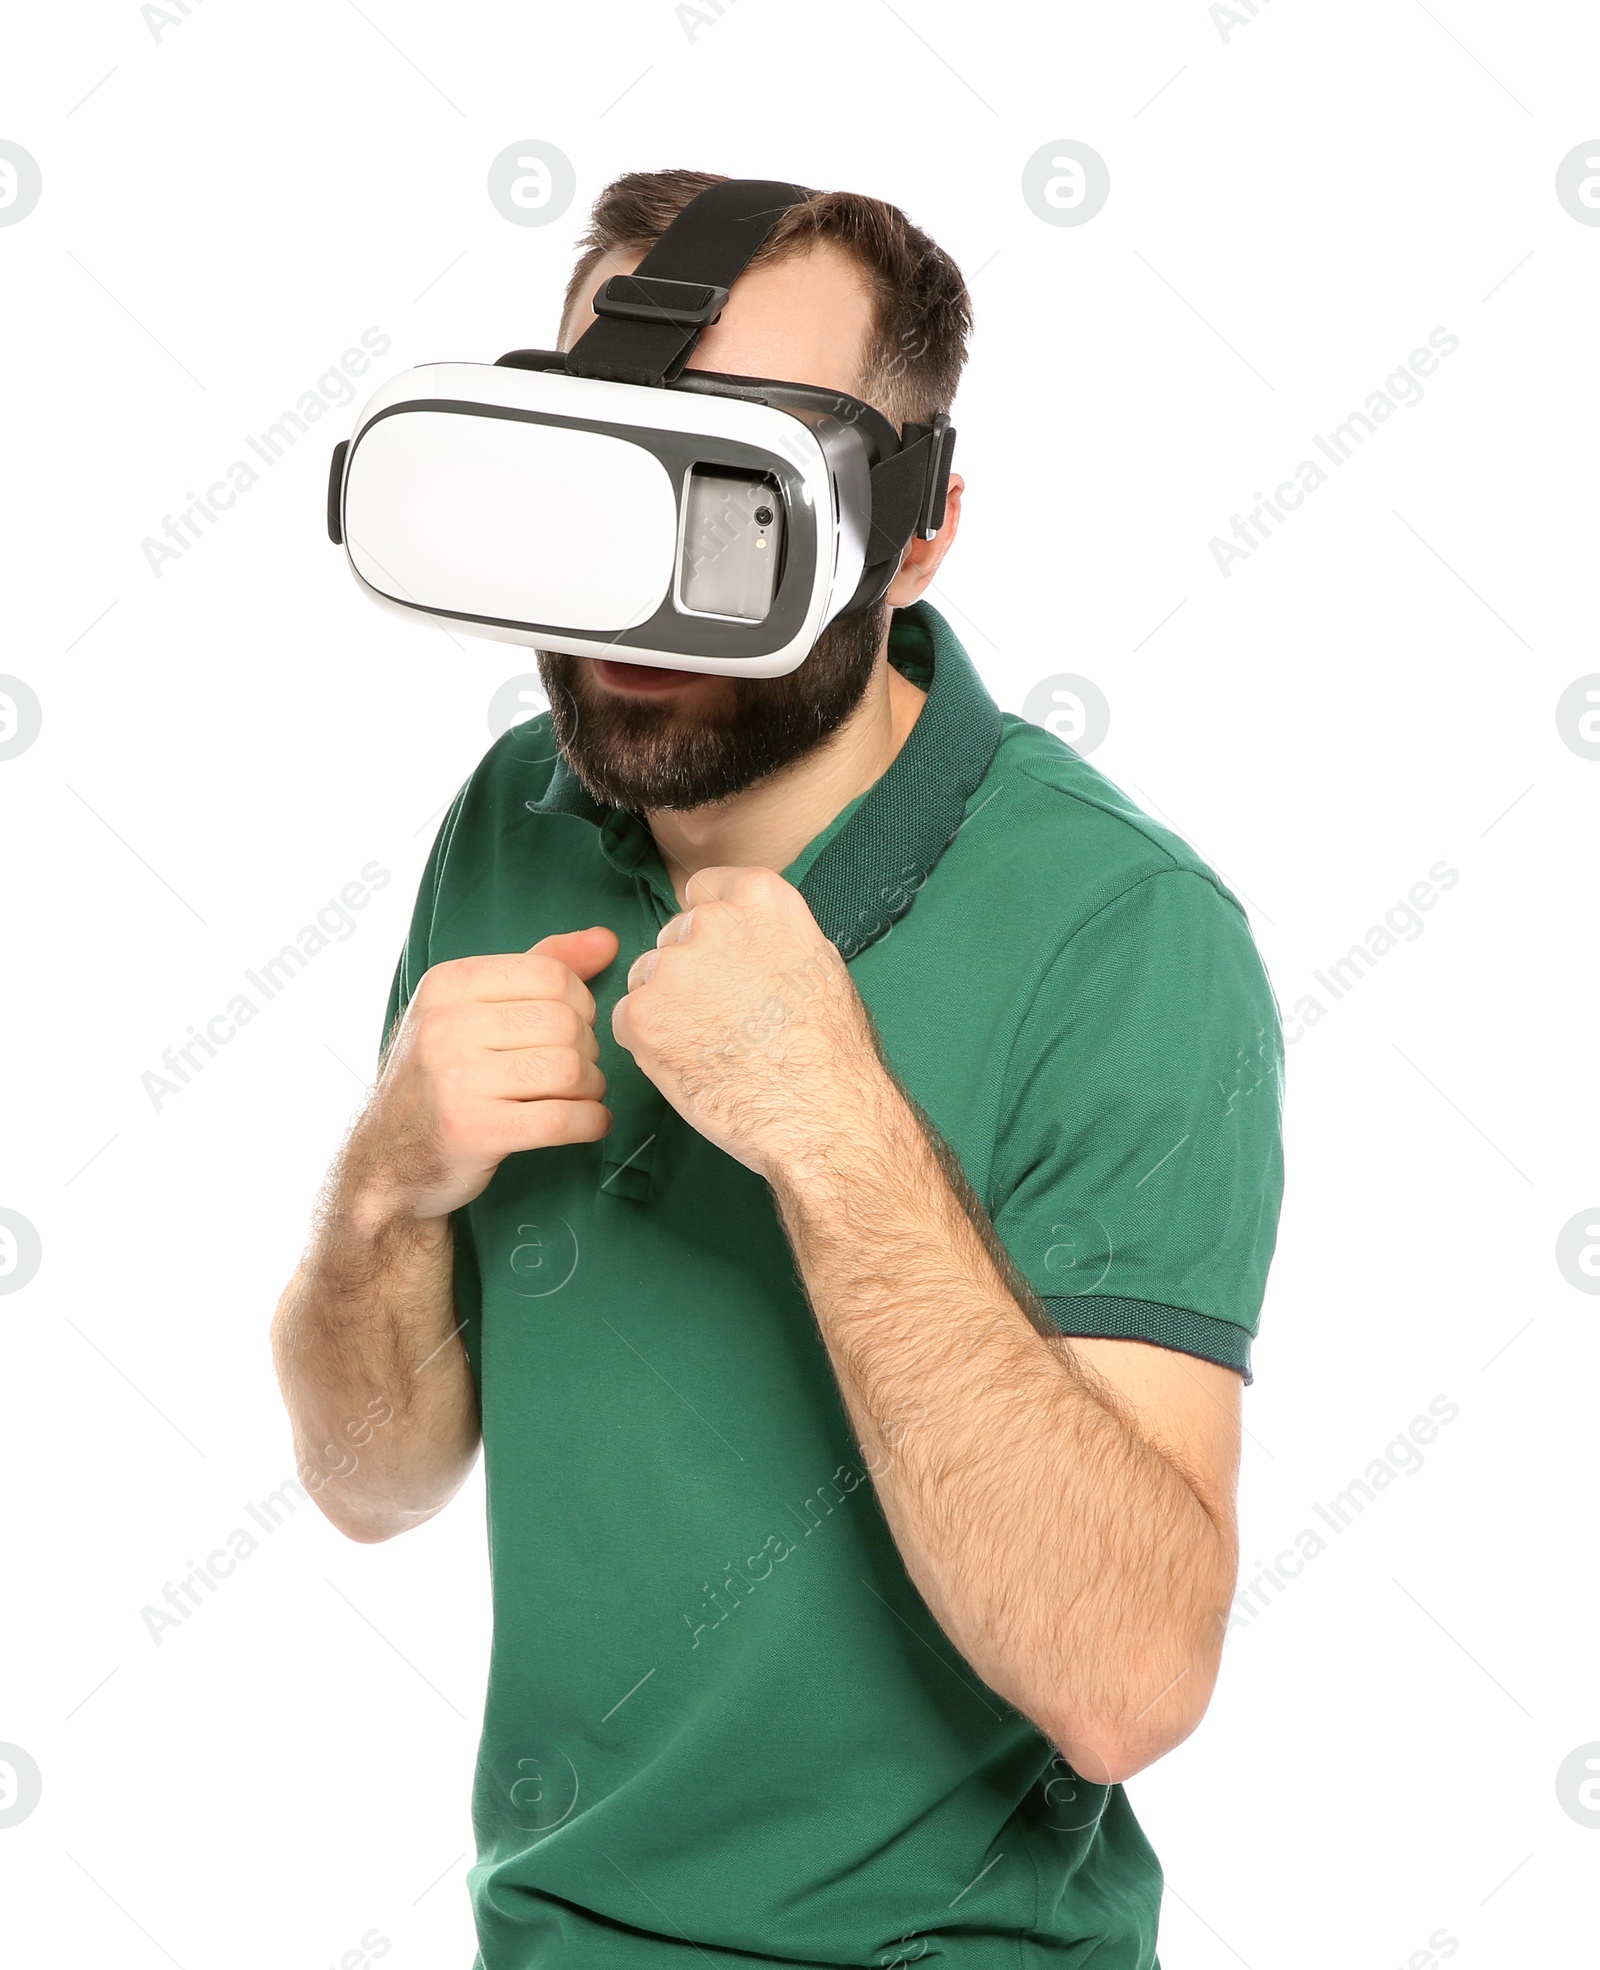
(377, 1383)
(1068, 1559)
(493, 1055)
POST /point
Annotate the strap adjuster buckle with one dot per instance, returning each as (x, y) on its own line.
(647, 298)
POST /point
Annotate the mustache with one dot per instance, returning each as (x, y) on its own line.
(643, 753)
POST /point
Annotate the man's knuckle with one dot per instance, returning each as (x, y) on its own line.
(430, 1034)
(644, 1010)
(472, 976)
(563, 1069)
(547, 1070)
(523, 1021)
(436, 981)
(547, 976)
(528, 1069)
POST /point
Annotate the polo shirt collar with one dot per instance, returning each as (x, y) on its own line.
(865, 878)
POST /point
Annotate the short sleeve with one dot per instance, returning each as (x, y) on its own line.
(1139, 1168)
(414, 959)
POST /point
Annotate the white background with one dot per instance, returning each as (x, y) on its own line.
(1295, 204)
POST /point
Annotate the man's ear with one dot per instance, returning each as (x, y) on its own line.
(920, 562)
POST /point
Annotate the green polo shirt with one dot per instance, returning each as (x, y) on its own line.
(721, 1725)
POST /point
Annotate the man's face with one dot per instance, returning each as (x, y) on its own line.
(643, 737)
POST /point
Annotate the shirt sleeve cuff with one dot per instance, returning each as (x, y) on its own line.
(1093, 1317)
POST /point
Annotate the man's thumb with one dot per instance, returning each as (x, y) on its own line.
(583, 951)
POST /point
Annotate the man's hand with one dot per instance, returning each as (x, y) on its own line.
(747, 1019)
(494, 1055)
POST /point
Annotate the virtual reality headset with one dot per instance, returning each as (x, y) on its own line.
(609, 502)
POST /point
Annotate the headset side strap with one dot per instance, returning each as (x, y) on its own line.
(909, 488)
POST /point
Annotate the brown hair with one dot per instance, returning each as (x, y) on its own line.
(922, 314)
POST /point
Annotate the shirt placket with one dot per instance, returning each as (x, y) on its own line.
(638, 1107)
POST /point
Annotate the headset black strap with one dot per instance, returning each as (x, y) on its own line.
(909, 488)
(680, 284)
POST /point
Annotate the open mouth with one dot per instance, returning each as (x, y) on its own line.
(641, 678)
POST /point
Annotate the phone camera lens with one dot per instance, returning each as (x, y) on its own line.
(763, 516)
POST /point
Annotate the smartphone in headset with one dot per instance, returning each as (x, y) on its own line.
(732, 544)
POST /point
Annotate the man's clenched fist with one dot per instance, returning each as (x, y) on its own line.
(494, 1055)
(747, 1019)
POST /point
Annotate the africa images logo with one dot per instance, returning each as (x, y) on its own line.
(333, 390)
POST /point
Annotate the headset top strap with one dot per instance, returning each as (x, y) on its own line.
(650, 320)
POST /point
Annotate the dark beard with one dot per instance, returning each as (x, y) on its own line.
(641, 755)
